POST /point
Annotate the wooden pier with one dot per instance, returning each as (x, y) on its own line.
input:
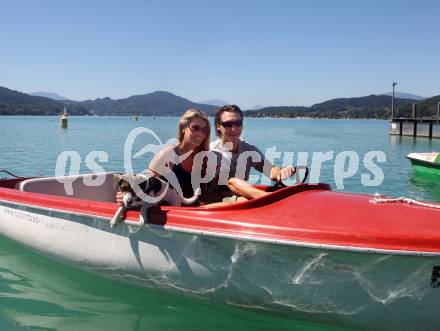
(428, 127)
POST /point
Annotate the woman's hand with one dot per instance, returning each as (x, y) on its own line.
(285, 173)
(119, 197)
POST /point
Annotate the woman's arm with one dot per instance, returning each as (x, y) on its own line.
(162, 163)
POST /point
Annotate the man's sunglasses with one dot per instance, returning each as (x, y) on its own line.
(230, 124)
(194, 127)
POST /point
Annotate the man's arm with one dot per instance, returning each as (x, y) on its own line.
(267, 168)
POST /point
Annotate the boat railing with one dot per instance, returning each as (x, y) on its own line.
(9, 173)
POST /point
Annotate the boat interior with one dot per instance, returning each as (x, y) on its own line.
(428, 157)
(96, 187)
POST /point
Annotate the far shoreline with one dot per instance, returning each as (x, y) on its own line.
(161, 116)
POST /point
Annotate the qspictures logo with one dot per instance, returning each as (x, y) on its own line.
(346, 164)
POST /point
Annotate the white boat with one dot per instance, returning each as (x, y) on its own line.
(303, 251)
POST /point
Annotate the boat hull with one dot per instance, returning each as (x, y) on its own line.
(427, 171)
(367, 291)
(425, 164)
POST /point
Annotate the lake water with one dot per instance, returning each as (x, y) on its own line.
(36, 293)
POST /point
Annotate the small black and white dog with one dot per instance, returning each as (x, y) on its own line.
(145, 191)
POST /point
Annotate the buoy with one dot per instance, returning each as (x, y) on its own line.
(63, 120)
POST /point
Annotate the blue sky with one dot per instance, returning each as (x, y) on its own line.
(245, 52)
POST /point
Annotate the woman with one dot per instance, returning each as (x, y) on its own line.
(175, 163)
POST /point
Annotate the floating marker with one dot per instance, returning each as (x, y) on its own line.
(63, 120)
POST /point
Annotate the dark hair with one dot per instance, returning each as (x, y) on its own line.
(220, 111)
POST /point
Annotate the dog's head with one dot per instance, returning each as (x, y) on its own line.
(127, 183)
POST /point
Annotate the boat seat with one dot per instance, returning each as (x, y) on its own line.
(55, 186)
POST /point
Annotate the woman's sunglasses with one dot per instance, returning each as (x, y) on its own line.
(230, 124)
(194, 127)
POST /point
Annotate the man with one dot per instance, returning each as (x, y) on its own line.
(238, 156)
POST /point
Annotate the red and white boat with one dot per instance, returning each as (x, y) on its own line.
(345, 259)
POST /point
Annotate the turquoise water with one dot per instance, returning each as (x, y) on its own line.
(39, 294)
(36, 293)
(30, 146)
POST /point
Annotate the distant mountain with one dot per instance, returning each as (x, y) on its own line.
(403, 95)
(167, 104)
(278, 111)
(372, 106)
(156, 103)
(376, 102)
(50, 95)
(257, 107)
(215, 102)
(17, 103)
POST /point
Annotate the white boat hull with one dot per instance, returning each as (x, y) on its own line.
(364, 290)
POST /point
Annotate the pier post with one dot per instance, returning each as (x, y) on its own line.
(438, 111)
(414, 110)
(392, 101)
(414, 116)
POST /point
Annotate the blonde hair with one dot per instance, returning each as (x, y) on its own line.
(185, 121)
